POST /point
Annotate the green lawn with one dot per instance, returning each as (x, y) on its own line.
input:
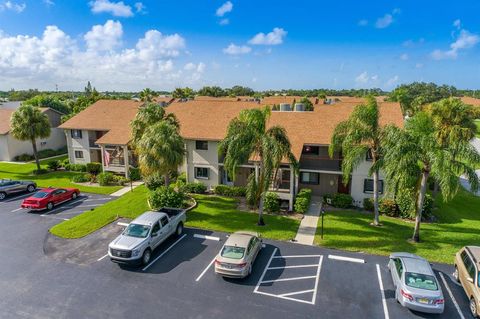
(212, 213)
(458, 225)
(477, 122)
(54, 179)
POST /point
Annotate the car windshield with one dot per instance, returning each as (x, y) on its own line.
(233, 252)
(135, 230)
(420, 281)
(40, 195)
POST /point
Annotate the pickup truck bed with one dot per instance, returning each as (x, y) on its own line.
(171, 212)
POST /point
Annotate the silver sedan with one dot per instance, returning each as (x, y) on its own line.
(416, 286)
(8, 187)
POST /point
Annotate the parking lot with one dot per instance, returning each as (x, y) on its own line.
(288, 280)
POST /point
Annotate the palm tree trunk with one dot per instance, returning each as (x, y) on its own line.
(263, 186)
(35, 154)
(261, 222)
(167, 179)
(376, 219)
(421, 199)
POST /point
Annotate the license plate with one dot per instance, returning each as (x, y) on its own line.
(423, 300)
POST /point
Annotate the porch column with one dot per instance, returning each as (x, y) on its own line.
(102, 150)
(292, 188)
(125, 156)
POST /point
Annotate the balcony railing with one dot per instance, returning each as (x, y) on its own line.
(91, 143)
(322, 164)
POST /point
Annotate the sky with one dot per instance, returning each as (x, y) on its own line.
(132, 44)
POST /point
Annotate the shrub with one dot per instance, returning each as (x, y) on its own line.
(182, 177)
(388, 207)
(40, 171)
(427, 207)
(232, 191)
(166, 197)
(80, 178)
(368, 204)
(272, 202)
(76, 167)
(65, 162)
(406, 203)
(93, 168)
(106, 178)
(154, 181)
(195, 188)
(302, 201)
(134, 174)
(23, 158)
(119, 180)
(53, 165)
(342, 200)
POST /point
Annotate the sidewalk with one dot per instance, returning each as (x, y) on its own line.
(308, 225)
(126, 189)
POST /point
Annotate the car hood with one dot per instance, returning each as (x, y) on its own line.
(126, 242)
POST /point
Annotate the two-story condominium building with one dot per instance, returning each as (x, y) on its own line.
(101, 133)
(204, 124)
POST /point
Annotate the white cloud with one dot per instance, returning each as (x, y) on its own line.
(419, 65)
(224, 22)
(362, 78)
(404, 57)
(457, 24)
(465, 40)
(392, 81)
(49, 3)
(272, 38)
(117, 9)
(12, 6)
(55, 57)
(140, 7)
(384, 21)
(224, 8)
(412, 43)
(233, 49)
(104, 37)
(363, 22)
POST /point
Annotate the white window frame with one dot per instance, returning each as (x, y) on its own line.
(201, 177)
(80, 152)
(381, 186)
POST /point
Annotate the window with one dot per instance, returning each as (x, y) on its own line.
(369, 156)
(309, 178)
(420, 281)
(78, 154)
(202, 172)
(468, 265)
(311, 150)
(201, 145)
(76, 133)
(399, 266)
(155, 228)
(368, 186)
(164, 221)
(233, 252)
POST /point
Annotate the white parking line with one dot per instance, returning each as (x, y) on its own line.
(296, 293)
(97, 199)
(101, 258)
(384, 301)
(16, 210)
(296, 266)
(353, 260)
(265, 270)
(297, 256)
(283, 297)
(287, 279)
(53, 217)
(451, 296)
(314, 297)
(205, 270)
(166, 251)
(60, 207)
(206, 237)
(80, 206)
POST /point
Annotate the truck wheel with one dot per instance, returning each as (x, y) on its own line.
(50, 206)
(2, 195)
(147, 254)
(74, 195)
(179, 230)
(31, 188)
(473, 308)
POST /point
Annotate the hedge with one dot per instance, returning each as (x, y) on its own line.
(302, 201)
(272, 202)
(232, 191)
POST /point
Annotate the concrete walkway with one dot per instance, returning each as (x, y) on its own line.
(126, 189)
(308, 225)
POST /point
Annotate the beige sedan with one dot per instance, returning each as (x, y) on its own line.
(237, 256)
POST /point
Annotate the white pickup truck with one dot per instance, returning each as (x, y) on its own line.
(145, 233)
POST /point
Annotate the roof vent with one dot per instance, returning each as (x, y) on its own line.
(299, 107)
(285, 107)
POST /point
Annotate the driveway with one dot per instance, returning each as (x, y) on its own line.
(288, 280)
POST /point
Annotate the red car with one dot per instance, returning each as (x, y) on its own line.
(47, 198)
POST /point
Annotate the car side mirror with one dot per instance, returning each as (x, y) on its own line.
(470, 279)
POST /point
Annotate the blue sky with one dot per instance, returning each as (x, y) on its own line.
(128, 45)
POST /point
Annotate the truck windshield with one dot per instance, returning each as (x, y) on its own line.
(420, 281)
(135, 230)
(233, 252)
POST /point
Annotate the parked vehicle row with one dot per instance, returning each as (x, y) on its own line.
(11, 187)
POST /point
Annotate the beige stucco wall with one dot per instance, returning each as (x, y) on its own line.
(358, 177)
(202, 158)
(4, 154)
(77, 144)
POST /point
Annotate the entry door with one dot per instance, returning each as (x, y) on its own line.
(225, 179)
(343, 189)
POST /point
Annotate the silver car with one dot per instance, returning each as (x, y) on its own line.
(9, 187)
(237, 256)
(416, 286)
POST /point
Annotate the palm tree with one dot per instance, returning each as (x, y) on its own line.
(160, 150)
(29, 123)
(415, 154)
(249, 137)
(148, 115)
(359, 135)
(147, 95)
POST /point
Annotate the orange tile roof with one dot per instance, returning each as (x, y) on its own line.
(208, 120)
(113, 116)
(470, 100)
